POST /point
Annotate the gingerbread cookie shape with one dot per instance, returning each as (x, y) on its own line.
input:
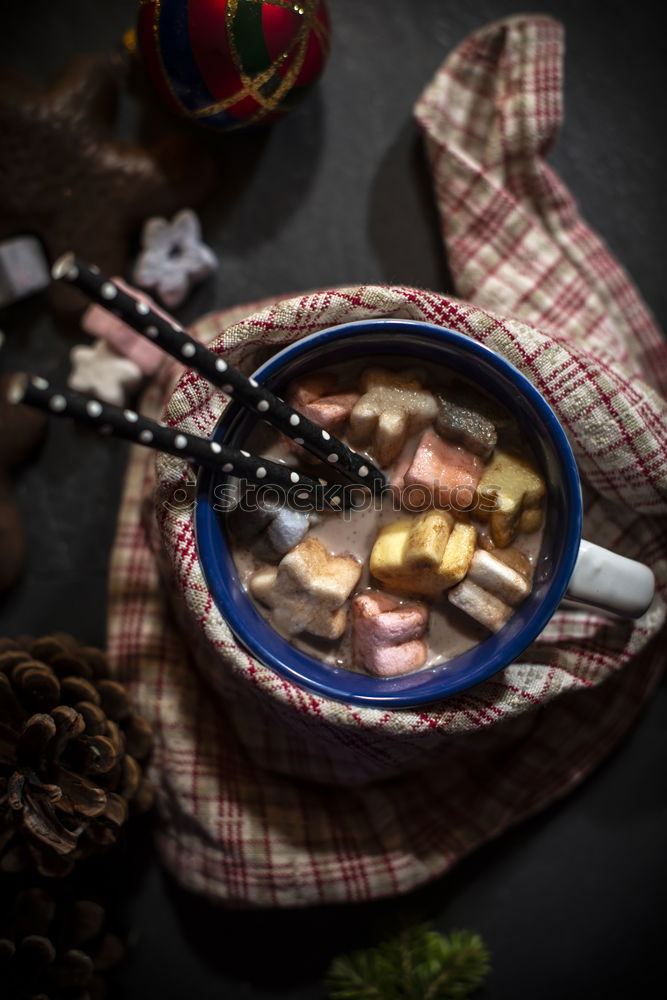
(66, 177)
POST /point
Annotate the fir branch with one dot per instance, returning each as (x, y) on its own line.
(416, 963)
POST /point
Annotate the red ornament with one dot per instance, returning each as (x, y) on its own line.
(231, 63)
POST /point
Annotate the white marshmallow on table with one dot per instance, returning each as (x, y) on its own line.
(23, 269)
(103, 373)
(173, 257)
(491, 590)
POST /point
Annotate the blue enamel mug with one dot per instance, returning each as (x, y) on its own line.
(566, 566)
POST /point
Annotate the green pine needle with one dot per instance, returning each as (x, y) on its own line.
(417, 963)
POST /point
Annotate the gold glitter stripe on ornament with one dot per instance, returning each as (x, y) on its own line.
(295, 8)
(322, 32)
(130, 41)
(272, 102)
(250, 86)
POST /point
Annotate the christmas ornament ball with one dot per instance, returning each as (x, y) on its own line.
(227, 64)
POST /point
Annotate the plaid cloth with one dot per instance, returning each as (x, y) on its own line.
(270, 795)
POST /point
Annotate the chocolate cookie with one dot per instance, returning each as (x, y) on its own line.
(66, 177)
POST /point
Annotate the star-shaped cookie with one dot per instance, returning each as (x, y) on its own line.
(66, 177)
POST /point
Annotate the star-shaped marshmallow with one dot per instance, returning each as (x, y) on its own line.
(173, 258)
(98, 370)
(308, 589)
(391, 407)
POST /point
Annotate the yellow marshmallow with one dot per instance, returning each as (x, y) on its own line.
(509, 495)
(423, 555)
(428, 539)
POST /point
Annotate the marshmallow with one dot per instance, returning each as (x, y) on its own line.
(307, 589)
(509, 495)
(313, 396)
(387, 636)
(428, 539)
(287, 529)
(464, 424)
(496, 576)
(480, 605)
(249, 519)
(516, 559)
(391, 407)
(530, 520)
(307, 389)
(100, 371)
(330, 412)
(423, 555)
(415, 499)
(99, 322)
(272, 530)
(173, 257)
(23, 269)
(447, 471)
(494, 585)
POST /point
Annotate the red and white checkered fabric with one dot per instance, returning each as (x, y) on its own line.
(270, 795)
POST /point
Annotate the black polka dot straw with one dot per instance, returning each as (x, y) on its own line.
(298, 490)
(174, 340)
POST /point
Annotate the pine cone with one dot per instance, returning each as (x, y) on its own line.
(69, 751)
(52, 949)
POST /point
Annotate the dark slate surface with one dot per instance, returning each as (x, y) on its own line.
(570, 903)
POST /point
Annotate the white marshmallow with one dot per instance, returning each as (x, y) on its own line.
(480, 605)
(498, 578)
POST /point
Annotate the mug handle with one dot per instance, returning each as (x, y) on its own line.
(611, 582)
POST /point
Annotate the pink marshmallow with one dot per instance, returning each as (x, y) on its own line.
(329, 412)
(389, 661)
(103, 324)
(313, 397)
(448, 471)
(387, 636)
(415, 499)
(309, 388)
(397, 482)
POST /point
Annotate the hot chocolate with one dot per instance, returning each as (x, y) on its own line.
(425, 572)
